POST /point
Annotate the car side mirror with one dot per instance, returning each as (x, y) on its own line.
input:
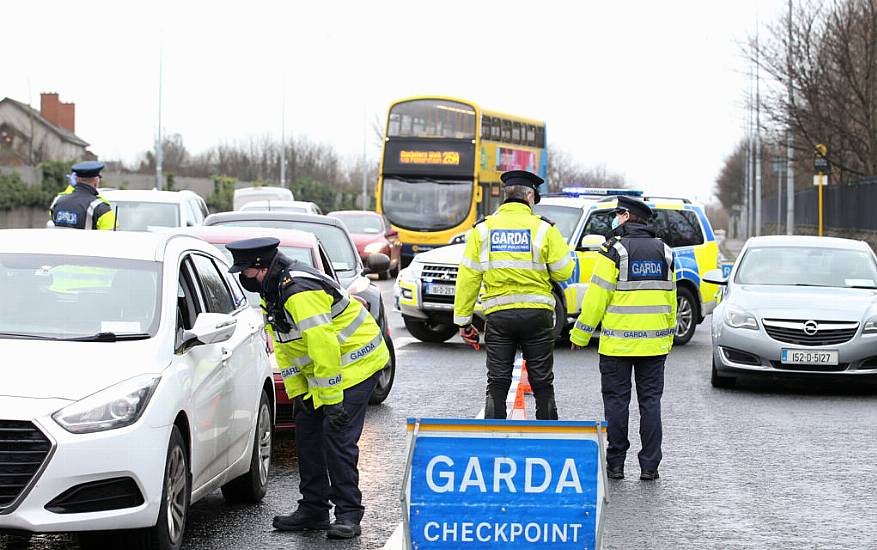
(376, 263)
(715, 277)
(591, 243)
(209, 328)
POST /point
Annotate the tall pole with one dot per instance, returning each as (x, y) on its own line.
(757, 139)
(365, 201)
(283, 137)
(779, 225)
(790, 147)
(158, 148)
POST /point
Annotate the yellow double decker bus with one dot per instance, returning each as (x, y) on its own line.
(441, 164)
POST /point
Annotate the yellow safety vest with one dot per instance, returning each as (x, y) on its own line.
(637, 316)
(515, 255)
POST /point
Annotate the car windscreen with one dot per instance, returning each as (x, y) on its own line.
(362, 223)
(565, 218)
(145, 216)
(806, 266)
(295, 253)
(59, 296)
(338, 245)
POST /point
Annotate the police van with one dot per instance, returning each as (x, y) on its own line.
(424, 292)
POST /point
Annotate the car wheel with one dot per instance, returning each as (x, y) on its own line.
(252, 486)
(386, 376)
(429, 332)
(721, 381)
(686, 316)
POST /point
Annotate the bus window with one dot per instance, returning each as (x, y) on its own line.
(486, 123)
(506, 131)
(426, 118)
(496, 131)
(540, 137)
(531, 135)
(516, 133)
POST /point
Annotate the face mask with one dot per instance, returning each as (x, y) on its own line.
(250, 283)
(615, 222)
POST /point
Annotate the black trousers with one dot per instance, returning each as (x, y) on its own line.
(533, 331)
(327, 457)
(615, 377)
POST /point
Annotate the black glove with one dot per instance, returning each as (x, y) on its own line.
(338, 417)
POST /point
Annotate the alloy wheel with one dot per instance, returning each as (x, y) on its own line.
(264, 430)
(175, 489)
(684, 316)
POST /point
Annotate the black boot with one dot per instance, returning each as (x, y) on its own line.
(615, 472)
(343, 529)
(301, 521)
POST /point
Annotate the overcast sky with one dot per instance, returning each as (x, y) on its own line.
(653, 90)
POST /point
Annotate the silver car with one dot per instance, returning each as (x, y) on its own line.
(797, 306)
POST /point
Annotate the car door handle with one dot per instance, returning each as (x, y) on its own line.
(226, 354)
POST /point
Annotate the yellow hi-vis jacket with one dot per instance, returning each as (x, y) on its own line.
(333, 343)
(95, 210)
(632, 294)
(515, 254)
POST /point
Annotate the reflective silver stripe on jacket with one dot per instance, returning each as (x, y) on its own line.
(538, 241)
(559, 264)
(602, 283)
(302, 361)
(517, 299)
(354, 325)
(624, 310)
(313, 321)
(89, 214)
(471, 264)
(638, 334)
(646, 285)
(285, 337)
(314, 382)
(622, 260)
(515, 264)
(338, 307)
(461, 321)
(365, 350)
(585, 328)
(668, 255)
(484, 235)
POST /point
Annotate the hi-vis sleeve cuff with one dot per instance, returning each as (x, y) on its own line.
(462, 321)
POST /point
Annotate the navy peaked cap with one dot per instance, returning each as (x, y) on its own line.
(256, 252)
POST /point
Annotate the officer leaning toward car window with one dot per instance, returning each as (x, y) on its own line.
(516, 255)
(80, 206)
(632, 294)
(329, 349)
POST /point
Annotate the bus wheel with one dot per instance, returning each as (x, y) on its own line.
(429, 332)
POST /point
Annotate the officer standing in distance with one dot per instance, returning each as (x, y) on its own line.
(329, 349)
(632, 294)
(515, 254)
(79, 206)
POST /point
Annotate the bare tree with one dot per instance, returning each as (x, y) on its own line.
(566, 171)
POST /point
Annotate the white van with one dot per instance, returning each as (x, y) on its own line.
(248, 194)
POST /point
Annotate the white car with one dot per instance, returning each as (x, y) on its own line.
(303, 207)
(245, 195)
(145, 210)
(137, 382)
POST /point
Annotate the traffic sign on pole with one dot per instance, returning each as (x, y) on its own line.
(504, 484)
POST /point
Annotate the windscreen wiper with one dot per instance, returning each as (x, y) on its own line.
(24, 336)
(108, 337)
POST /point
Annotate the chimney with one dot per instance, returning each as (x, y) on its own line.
(58, 113)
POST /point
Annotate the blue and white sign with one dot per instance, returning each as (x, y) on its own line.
(510, 240)
(505, 484)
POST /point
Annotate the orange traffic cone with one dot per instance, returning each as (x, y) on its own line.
(519, 410)
(524, 384)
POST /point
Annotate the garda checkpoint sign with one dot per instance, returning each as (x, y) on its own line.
(504, 484)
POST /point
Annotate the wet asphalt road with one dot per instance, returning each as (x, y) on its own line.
(765, 465)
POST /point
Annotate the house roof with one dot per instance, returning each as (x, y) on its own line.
(63, 133)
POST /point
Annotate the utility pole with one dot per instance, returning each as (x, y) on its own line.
(365, 201)
(790, 140)
(158, 148)
(283, 137)
(757, 139)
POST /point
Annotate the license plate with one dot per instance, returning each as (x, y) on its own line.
(809, 357)
(439, 290)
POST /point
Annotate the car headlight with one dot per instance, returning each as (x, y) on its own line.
(870, 326)
(375, 248)
(738, 318)
(114, 407)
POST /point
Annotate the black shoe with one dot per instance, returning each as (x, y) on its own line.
(649, 475)
(615, 472)
(301, 521)
(343, 529)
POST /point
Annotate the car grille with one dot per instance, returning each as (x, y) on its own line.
(827, 332)
(810, 368)
(441, 274)
(23, 450)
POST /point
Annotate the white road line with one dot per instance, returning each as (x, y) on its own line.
(397, 539)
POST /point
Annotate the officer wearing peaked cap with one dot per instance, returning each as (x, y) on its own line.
(515, 255)
(329, 350)
(80, 206)
(632, 297)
